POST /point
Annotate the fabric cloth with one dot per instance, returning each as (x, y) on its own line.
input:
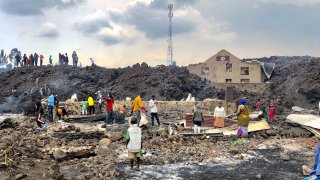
(137, 114)
(133, 155)
(133, 135)
(84, 105)
(91, 110)
(90, 101)
(84, 112)
(109, 117)
(198, 123)
(219, 112)
(50, 113)
(242, 131)
(153, 106)
(266, 113)
(154, 115)
(258, 105)
(51, 100)
(40, 123)
(271, 112)
(109, 102)
(243, 115)
(316, 167)
(219, 122)
(41, 57)
(137, 104)
(197, 116)
(197, 128)
(243, 101)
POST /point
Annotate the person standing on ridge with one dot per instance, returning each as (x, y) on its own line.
(74, 58)
(60, 58)
(41, 59)
(31, 60)
(18, 59)
(66, 59)
(36, 58)
(92, 62)
(24, 60)
(50, 60)
(154, 110)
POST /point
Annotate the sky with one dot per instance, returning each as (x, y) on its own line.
(120, 33)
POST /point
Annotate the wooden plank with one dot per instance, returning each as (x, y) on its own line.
(203, 134)
(93, 118)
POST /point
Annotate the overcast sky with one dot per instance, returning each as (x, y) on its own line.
(118, 33)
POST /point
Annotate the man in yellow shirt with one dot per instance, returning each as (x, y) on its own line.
(91, 105)
(137, 107)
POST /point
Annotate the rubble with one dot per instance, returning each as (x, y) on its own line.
(84, 150)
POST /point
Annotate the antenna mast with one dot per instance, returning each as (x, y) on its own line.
(170, 50)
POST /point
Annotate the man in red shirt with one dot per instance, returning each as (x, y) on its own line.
(108, 101)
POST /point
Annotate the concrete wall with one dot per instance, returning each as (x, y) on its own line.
(250, 87)
(217, 69)
(176, 110)
(168, 110)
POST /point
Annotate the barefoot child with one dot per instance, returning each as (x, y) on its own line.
(271, 113)
(134, 143)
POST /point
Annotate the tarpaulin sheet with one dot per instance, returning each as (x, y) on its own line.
(267, 68)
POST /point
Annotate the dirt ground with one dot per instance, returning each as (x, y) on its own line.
(87, 151)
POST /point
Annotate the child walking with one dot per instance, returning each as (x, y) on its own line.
(84, 106)
(197, 119)
(134, 143)
(271, 113)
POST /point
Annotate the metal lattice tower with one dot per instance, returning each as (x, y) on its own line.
(170, 50)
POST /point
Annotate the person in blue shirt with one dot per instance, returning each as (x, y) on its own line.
(50, 107)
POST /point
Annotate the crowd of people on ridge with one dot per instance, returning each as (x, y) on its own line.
(39, 60)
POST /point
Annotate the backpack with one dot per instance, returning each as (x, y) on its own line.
(60, 111)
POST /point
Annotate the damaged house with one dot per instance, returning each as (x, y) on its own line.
(224, 67)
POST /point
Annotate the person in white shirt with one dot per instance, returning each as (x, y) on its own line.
(154, 110)
(219, 115)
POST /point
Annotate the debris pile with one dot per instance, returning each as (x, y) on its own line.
(86, 151)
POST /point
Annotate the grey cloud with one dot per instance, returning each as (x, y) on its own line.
(34, 7)
(90, 27)
(152, 19)
(49, 34)
(93, 26)
(48, 30)
(109, 40)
